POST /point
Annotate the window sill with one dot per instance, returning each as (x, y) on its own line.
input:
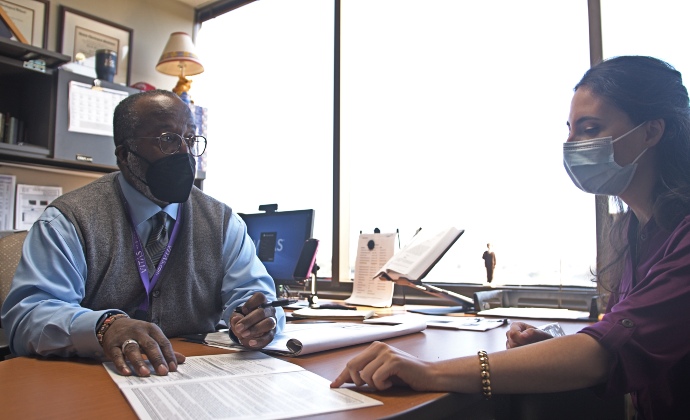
(575, 298)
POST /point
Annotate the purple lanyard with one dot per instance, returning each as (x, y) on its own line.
(140, 256)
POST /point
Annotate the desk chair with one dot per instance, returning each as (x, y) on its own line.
(10, 253)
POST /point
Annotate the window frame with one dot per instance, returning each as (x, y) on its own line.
(340, 284)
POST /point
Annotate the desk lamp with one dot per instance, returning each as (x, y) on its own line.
(179, 59)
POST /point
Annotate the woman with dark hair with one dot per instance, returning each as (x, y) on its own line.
(629, 137)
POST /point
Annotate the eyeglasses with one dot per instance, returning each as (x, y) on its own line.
(170, 143)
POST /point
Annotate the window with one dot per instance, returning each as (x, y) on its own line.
(268, 86)
(452, 113)
(632, 27)
(455, 115)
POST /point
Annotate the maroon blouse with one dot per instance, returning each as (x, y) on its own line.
(647, 323)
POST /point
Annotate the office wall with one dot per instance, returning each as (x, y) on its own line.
(152, 21)
(53, 177)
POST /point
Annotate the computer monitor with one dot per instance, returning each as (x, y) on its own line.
(279, 237)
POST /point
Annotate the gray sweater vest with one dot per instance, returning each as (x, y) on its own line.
(187, 296)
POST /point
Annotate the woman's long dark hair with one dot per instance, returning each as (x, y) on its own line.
(646, 88)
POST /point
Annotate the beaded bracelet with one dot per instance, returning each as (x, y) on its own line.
(486, 377)
(106, 324)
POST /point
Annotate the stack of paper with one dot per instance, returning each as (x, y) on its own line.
(539, 313)
(301, 339)
(471, 323)
(332, 313)
(237, 386)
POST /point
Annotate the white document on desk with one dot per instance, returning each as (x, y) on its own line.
(539, 313)
(299, 339)
(373, 252)
(242, 385)
(469, 323)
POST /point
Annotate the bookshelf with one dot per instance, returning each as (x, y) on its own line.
(27, 93)
(35, 91)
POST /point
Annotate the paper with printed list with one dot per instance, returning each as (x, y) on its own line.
(7, 183)
(373, 251)
(30, 203)
(242, 385)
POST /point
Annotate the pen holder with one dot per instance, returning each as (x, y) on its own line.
(106, 64)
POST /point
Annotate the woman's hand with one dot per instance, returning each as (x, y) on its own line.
(521, 334)
(381, 366)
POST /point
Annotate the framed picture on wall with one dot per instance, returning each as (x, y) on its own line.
(30, 17)
(80, 35)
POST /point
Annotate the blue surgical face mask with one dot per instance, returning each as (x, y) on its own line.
(592, 168)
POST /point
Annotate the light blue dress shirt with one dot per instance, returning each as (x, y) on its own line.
(42, 313)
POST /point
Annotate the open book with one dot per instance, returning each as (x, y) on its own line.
(418, 258)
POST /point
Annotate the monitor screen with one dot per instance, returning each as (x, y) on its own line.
(279, 237)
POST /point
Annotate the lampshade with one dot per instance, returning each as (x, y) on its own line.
(179, 56)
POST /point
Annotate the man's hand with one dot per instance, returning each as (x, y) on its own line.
(521, 334)
(142, 338)
(255, 326)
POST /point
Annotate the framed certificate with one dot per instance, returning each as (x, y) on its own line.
(81, 35)
(30, 17)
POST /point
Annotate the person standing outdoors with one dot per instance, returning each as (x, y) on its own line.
(489, 262)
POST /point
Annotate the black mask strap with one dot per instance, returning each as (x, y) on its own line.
(140, 157)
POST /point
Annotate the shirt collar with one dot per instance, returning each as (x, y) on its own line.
(140, 207)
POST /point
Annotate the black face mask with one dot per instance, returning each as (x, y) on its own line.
(171, 178)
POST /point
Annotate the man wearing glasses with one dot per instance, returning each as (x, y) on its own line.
(114, 268)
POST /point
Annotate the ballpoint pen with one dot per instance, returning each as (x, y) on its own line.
(274, 304)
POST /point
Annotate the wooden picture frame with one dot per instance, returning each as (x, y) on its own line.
(30, 17)
(83, 33)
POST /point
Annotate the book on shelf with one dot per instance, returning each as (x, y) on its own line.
(415, 260)
(11, 129)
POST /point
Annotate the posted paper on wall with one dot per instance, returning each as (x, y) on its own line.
(373, 251)
(91, 110)
(7, 183)
(30, 203)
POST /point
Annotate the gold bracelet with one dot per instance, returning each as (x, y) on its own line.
(106, 324)
(486, 377)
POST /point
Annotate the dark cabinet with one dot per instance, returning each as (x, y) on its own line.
(74, 146)
(27, 93)
(34, 91)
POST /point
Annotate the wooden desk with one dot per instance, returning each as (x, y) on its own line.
(81, 389)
